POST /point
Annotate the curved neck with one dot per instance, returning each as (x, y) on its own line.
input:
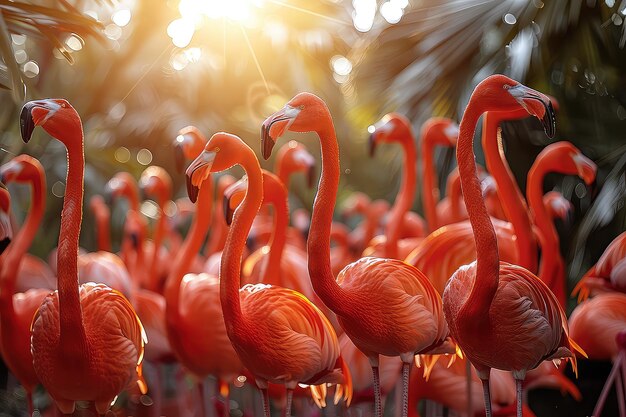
(159, 233)
(72, 335)
(230, 267)
(20, 245)
(453, 191)
(318, 244)
(487, 269)
(103, 233)
(404, 199)
(551, 259)
(274, 193)
(430, 190)
(511, 197)
(190, 247)
(282, 171)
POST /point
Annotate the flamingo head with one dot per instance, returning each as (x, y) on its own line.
(155, 181)
(393, 127)
(296, 158)
(567, 159)
(440, 131)
(189, 143)
(233, 196)
(558, 206)
(500, 93)
(6, 233)
(22, 168)
(121, 185)
(302, 113)
(357, 203)
(221, 152)
(56, 116)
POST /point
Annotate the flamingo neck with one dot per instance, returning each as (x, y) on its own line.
(551, 260)
(279, 232)
(487, 269)
(230, 267)
(190, 248)
(318, 244)
(159, 234)
(72, 332)
(511, 197)
(219, 230)
(20, 245)
(103, 233)
(282, 171)
(430, 191)
(453, 191)
(404, 199)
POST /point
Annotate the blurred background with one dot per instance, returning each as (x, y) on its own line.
(139, 70)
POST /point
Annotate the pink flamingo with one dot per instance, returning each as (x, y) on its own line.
(500, 314)
(280, 336)
(17, 309)
(385, 306)
(77, 330)
(608, 274)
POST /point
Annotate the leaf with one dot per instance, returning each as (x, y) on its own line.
(8, 56)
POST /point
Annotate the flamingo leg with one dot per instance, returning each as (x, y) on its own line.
(607, 385)
(406, 370)
(518, 389)
(200, 387)
(468, 387)
(289, 401)
(266, 402)
(378, 410)
(619, 390)
(487, 397)
(29, 401)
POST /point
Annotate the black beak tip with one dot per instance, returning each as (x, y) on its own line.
(549, 121)
(310, 176)
(134, 240)
(27, 124)
(4, 243)
(179, 158)
(192, 191)
(228, 212)
(372, 145)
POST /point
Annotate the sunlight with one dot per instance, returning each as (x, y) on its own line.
(239, 10)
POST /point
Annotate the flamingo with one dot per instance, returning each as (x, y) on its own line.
(500, 314)
(394, 127)
(294, 157)
(280, 336)
(18, 309)
(371, 211)
(278, 263)
(156, 183)
(192, 300)
(599, 324)
(441, 253)
(32, 272)
(564, 158)
(78, 330)
(340, 254)
(608, 274)
(385, 306)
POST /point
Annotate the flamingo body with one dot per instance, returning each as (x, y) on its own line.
(403, 310)
(114, 336)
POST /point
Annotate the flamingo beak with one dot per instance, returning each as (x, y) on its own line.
(371, 143)
(586, 168)
(28, 121)
(537, 104)
(197, 172)
(275, 126)
(179, 157)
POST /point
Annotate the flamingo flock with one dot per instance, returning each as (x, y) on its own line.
(475, 295)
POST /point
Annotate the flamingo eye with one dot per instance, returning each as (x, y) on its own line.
(301, 106)
(216, 149)
(506, 86)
